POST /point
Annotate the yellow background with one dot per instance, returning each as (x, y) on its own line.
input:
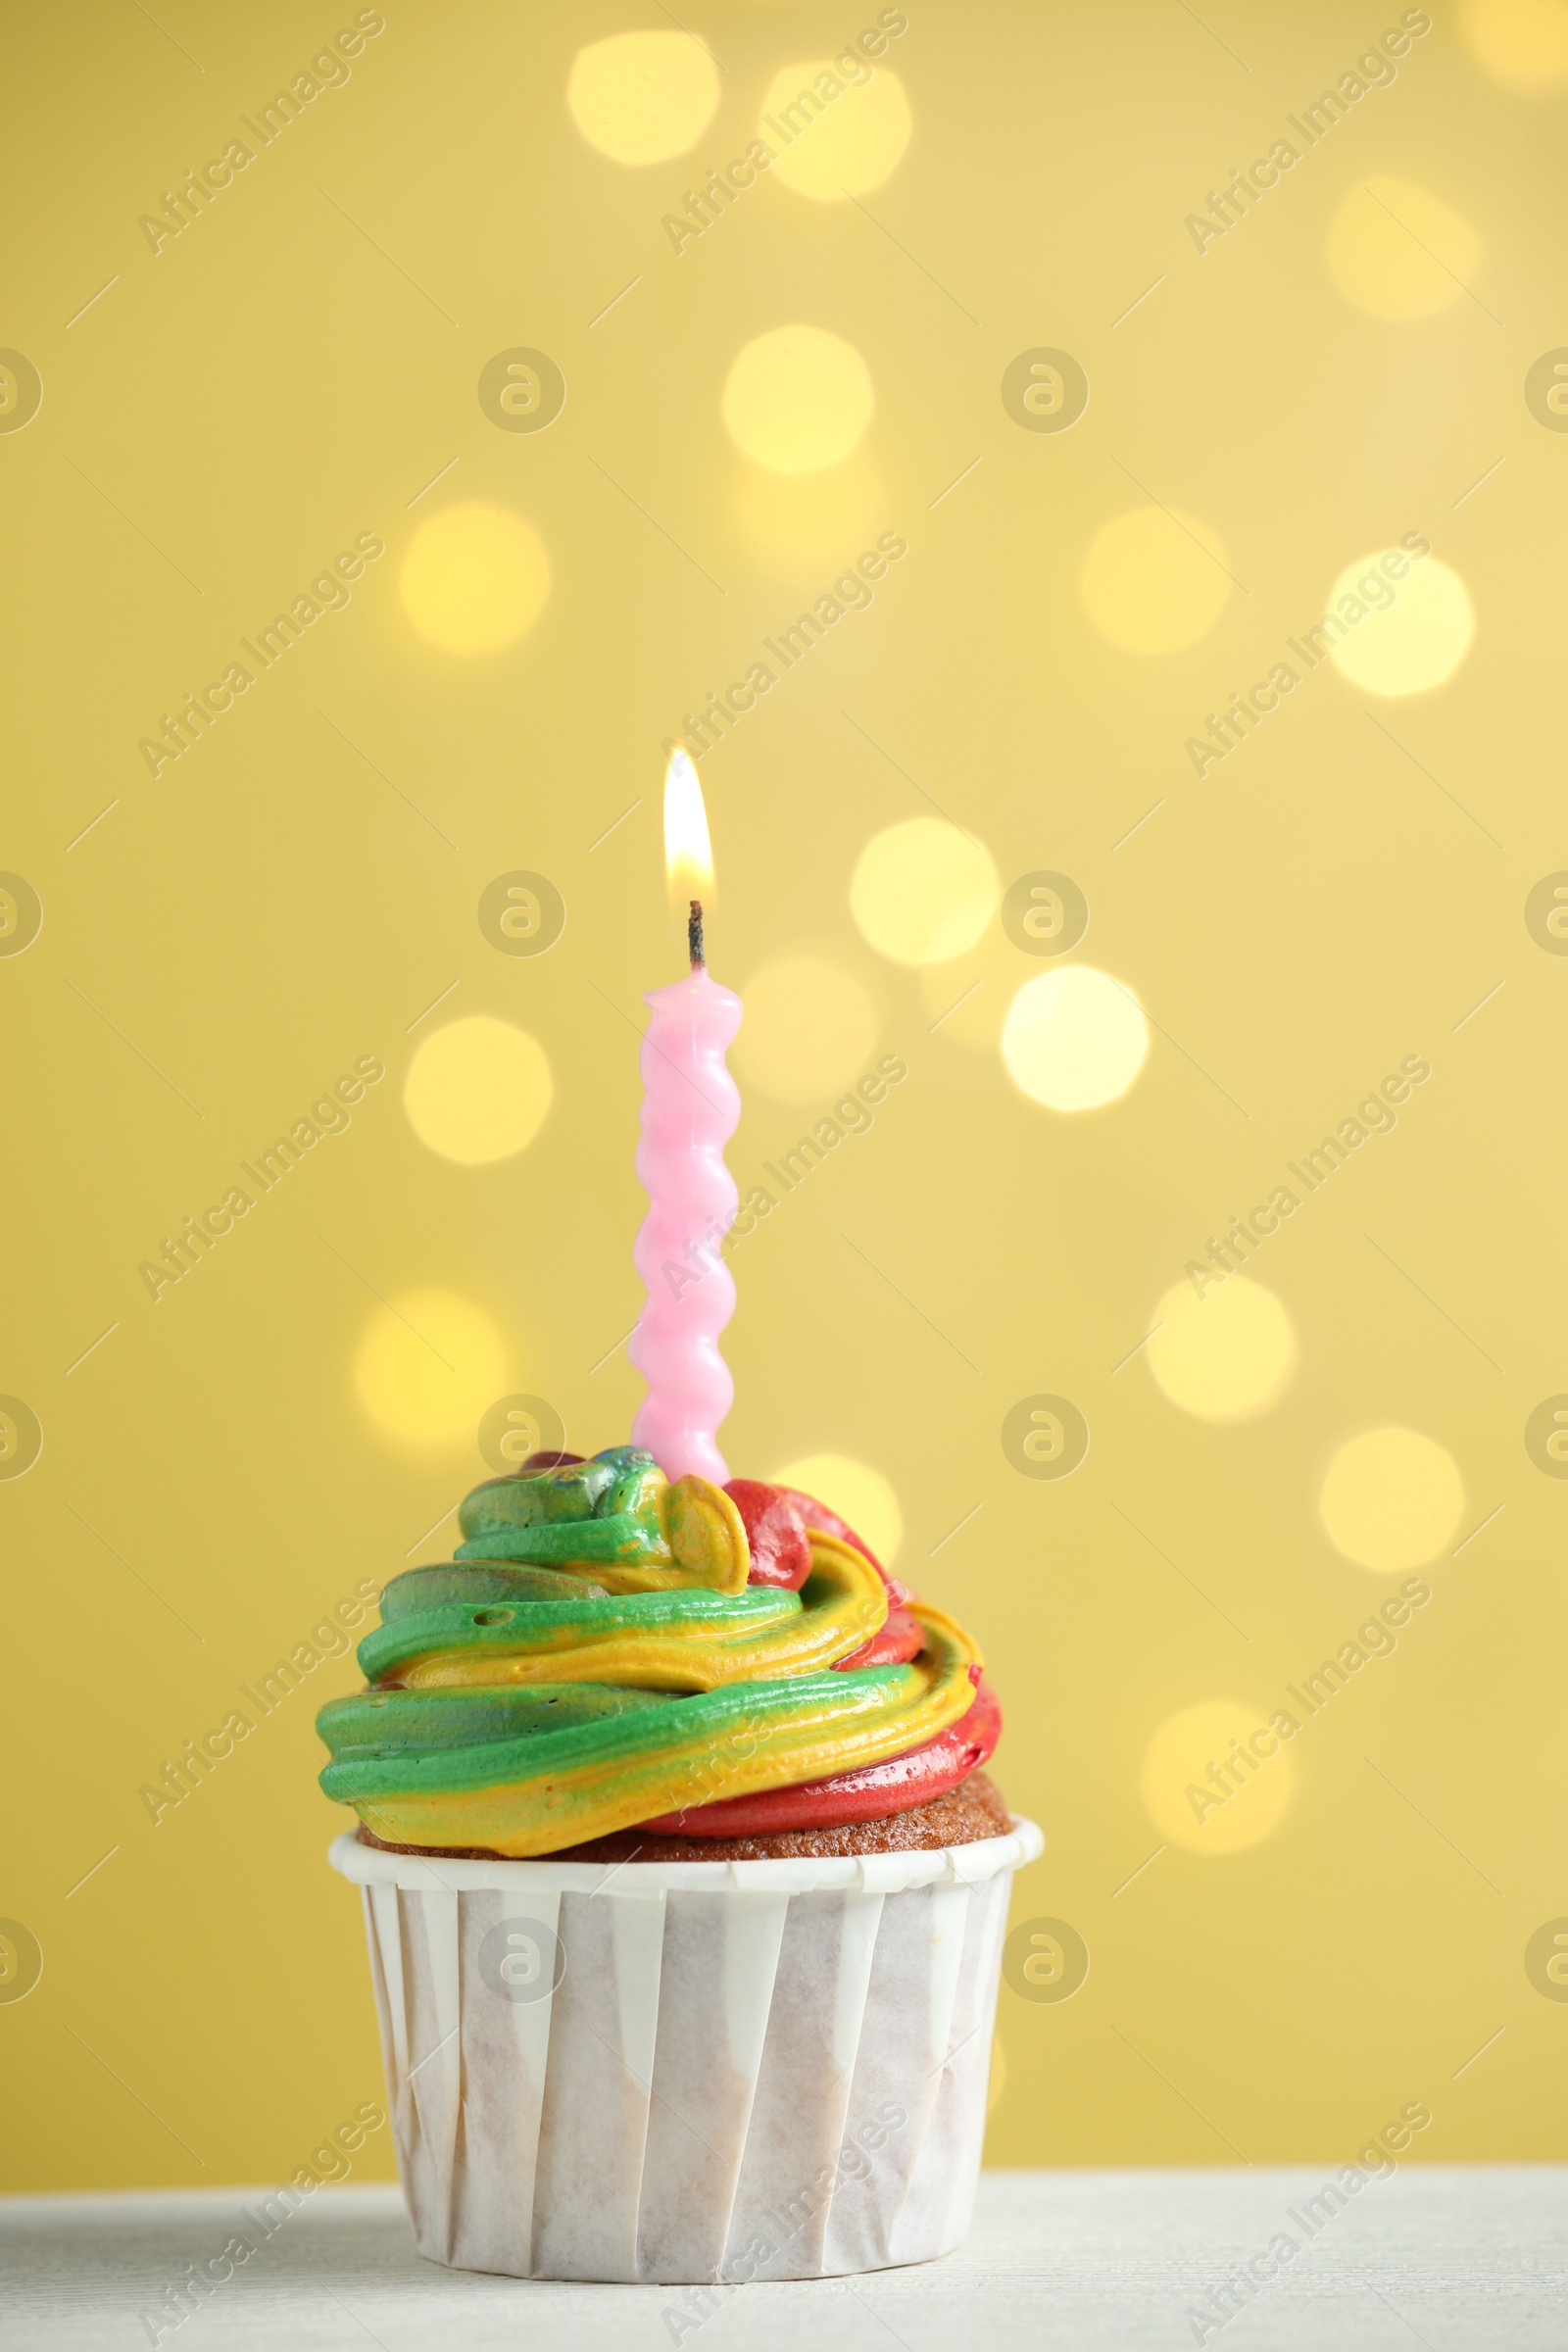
(292, 370)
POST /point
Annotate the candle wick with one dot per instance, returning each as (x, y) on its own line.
(694, 936)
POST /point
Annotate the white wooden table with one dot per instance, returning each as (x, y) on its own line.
(1461, 2259)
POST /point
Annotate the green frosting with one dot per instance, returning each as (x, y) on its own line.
(381, 1725)
(617, 1542)
(621, 1479)
(420, 1589)
(397, 1743)
(539, 1624)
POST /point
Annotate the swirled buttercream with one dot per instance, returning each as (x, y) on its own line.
(603, 1652)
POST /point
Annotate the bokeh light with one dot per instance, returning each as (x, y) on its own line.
(797, 398)
(477, 1089)
(1399, 252)
(1410, 644)
(841, 145)
(1074, 1039)
(858, 1494)
(1521, 43)
(1153, 581)
(922, 891)
(475, 577)
(641, 97)
(809, 1030)
(428, 1366)
(1392, 1498)
(1200, 1793)
(1226, 1356)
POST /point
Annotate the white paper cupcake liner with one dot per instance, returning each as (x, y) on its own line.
(701, 2071)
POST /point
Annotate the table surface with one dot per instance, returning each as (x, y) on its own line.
(1458, 2258)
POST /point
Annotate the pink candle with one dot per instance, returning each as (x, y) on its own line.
(690, 1108)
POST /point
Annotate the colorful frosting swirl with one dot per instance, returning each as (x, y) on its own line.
(607, 1651)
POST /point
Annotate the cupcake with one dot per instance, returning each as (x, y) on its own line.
(685, 1887)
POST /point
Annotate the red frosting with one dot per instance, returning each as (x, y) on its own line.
(867, 1793)
(781, 1551)
(811, 1513)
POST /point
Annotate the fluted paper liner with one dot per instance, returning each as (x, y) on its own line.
(743, 2070)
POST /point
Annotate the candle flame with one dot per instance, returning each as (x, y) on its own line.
(688, 856)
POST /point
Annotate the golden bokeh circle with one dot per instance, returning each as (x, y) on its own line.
(808, 1029)
(858, 1494)
(797, 398)
(922, 891)
(1397, 252)
(1074, 1039)
(1392, 1498)
(428, 1366)
(1410, 644)
(1153, 581)
(477, 1089)
(1521, 43)
(1226, 1357)
(841, 145)
(475, 577)
(1200, 1793)
(642, 97)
